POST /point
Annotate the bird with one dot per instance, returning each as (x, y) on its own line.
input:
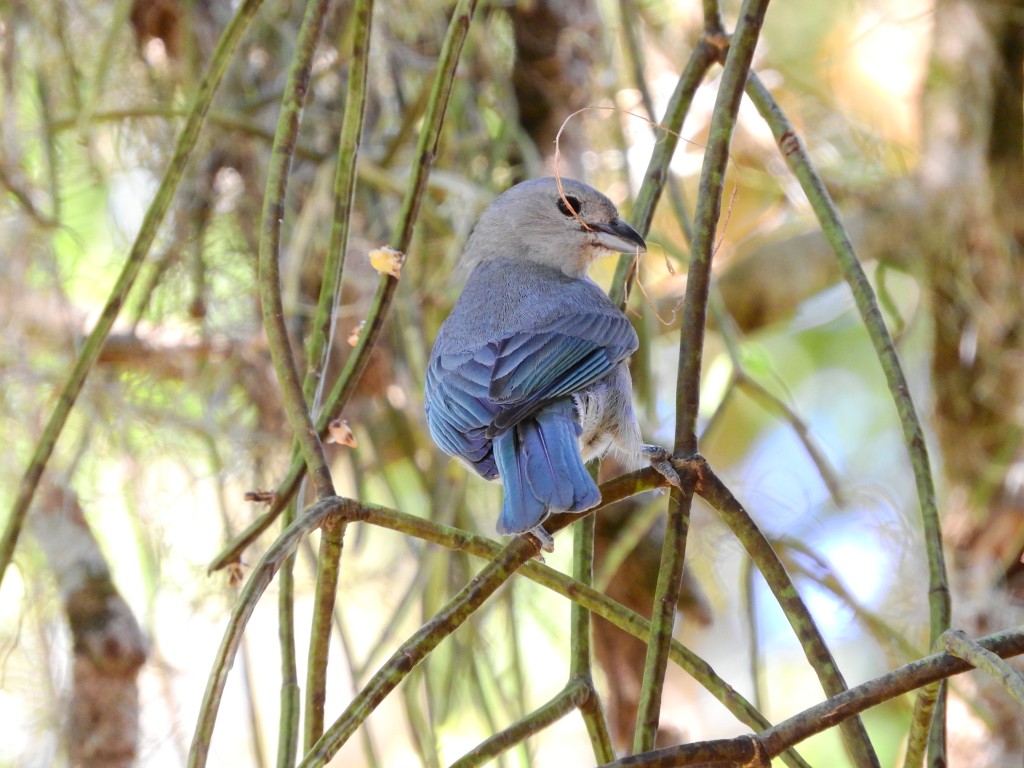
(528, 377)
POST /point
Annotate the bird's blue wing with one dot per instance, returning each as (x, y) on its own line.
(538, 345)
(554, 359)
(458, 409)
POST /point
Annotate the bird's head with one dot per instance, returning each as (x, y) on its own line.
(566, 229)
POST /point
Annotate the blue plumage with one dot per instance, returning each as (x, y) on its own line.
(528, 375)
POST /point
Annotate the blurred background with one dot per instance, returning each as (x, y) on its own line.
(911, 110)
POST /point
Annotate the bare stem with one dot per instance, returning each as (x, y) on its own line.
(281, 154)
(426, 149)
(565, 701)
(703, 56)
(767, 744)
(317, 353)
(691, 343)
(264, 572)
(419, 645)
(714, 491)
(792, 148)
(580, 654)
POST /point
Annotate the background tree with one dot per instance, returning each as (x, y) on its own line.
(173, 171)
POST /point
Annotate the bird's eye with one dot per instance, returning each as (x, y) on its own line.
(573, 201)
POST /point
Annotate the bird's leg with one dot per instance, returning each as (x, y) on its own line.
(547, 541)
(661, 460)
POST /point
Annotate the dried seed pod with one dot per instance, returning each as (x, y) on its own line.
(338, 431)
(387, 261)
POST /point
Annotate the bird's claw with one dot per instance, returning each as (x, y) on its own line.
(547, 541)
(661, 461)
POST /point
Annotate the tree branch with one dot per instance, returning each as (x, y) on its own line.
(913, 434)
(691, 344)
(768, 743)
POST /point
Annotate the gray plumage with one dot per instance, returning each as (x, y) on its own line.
(528, 376)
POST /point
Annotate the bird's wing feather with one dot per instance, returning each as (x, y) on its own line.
(561, 355)
(458, 411)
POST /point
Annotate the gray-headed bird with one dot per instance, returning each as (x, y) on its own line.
(528, 377)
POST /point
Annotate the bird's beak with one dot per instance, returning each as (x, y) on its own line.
(619, 236)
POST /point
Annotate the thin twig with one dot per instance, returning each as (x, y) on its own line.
(826, 578)
(272, 560)
(714, 491)
(912, 676)
(426, 149)
(939, 601)
(979, 657)
(303, 431)
(704, 55)
(328, 303)
(757, 391)
(318, 350)
(749, 598)
(634, 46)
(626, 540)
(290, 695)
(281, 154)
(565, 701)
(691, 343)
(580, 654)
(419, 646)
(350, 511)
(369, 746)
(256, 729)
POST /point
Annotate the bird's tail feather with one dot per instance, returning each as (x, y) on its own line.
(541, 469)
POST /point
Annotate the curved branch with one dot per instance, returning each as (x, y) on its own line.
(318, 351)
(769, 742)
(281, 154)
(272, 561)
(913, 434)
(691, 345)
(420, 644)
(426, 149)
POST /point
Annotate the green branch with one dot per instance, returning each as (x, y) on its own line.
(349, 511)
(691, 343)
(573, 696)
(704, 55)
(271, 562)
(760, 748)
(580, 644)
(318, 351)
(355, 365)
(714, 491)
(939, 601)
(420, 644)
(274, 200)
(963, 647)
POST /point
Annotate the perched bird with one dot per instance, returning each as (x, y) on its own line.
(527, 379)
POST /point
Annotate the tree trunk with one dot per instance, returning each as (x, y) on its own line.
(972, 183)
(108, 646)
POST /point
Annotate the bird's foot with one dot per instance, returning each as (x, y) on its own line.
(547, 541)
(661, 460)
